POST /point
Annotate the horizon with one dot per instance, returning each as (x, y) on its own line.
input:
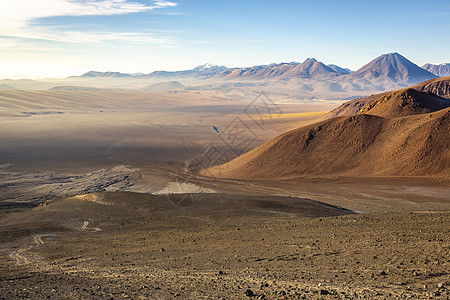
(37, 77)
(61, 38)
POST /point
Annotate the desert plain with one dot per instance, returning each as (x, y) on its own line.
(109, 194)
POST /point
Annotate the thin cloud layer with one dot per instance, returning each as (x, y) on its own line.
(20, 18)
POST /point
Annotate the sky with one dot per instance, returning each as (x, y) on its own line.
(58, 38)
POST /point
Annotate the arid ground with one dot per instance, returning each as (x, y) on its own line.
(104, 201)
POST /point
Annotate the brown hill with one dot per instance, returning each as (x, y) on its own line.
(352, 107)
(356, 146)
(404, 103)
(438, 86)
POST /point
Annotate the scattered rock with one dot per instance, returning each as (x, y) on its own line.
(249, 293)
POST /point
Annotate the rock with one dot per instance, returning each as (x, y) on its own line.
(162, 250)
(382, 272)
(249, 293)
(440, 285)
(220, 272)
(324, 292)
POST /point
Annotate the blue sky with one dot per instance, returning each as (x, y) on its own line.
(66, 37)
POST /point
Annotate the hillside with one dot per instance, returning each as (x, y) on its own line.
(438, 86)
(401, 133)
(404, 103)
(352, 107)
(356, 146)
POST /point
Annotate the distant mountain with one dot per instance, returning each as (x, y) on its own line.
(209, 68)
(392, 67)
(164, 86)
(340, 70)
(310, 68)
(310, 78)
(7, 87)
(441, 70)
(136, 74)
(205, 71)
(94, 74)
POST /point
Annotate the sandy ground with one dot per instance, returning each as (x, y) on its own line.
(214, 246)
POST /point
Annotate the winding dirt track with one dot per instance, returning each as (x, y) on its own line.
(86, 224)
(20, 257)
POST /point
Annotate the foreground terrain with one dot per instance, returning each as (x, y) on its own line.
(216, 246)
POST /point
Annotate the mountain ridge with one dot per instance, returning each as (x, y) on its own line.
(389, 70)
(442, 70)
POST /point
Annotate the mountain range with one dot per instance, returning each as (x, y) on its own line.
(441, 70)
(392, 67)
(310, 79)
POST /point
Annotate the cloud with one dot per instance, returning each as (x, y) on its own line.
(99, 37)
(4, 43)
(18, 18)
(21, 12)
